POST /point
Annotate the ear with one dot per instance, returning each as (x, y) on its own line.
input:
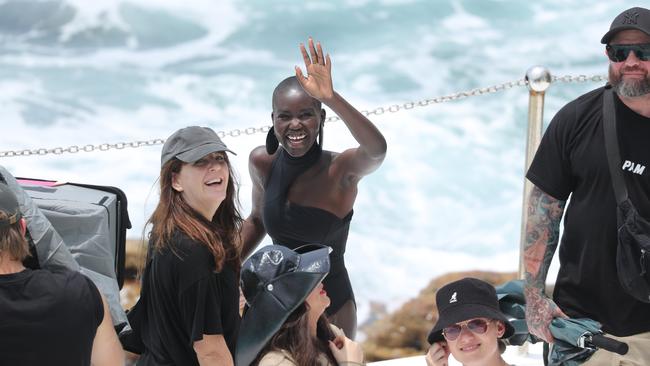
(176, 184)
(501, 329)
(23, 226)
(323, 114)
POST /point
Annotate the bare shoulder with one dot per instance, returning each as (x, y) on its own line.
(259, 162)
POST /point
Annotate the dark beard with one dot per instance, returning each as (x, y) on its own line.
(629, 88)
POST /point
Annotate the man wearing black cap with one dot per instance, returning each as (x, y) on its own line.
(572, 161)
(48, 318)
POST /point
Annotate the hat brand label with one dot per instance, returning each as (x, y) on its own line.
(631, 18)
(453, 299)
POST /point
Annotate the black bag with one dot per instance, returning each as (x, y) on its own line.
(633, 251)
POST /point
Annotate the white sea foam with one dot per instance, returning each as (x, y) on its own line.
(448, 195)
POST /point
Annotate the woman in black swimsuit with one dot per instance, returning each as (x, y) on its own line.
(303, 194)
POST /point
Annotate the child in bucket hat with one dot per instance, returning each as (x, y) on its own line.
(284, 323)
(469, 325)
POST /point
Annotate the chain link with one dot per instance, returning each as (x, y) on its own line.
(394, 108)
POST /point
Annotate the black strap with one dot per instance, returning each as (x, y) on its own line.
(611, 145)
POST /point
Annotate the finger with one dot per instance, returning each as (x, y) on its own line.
(305, 56)
(312, 51)
(299, 74)
(319, 49)
(328, 63)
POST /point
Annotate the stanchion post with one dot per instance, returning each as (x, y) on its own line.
(539, 79)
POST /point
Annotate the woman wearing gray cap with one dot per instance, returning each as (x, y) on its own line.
(469, 325)
(188, 313)
(284, 324)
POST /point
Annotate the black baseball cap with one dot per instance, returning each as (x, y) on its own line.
(633, 18)
(190, 144)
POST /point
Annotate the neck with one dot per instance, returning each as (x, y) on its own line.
(313, 326)
(9, 266)
(640, 105)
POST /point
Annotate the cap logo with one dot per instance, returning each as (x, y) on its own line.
(631, 18)
(453, 299)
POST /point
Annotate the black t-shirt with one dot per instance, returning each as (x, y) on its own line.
(186, 298)
(571, 159)
(48, 318)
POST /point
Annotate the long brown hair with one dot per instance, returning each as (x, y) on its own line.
(294, 338)
(221, 235)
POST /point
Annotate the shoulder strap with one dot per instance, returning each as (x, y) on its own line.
(611, 145)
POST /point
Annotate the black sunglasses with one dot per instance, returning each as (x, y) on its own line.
(620, 52)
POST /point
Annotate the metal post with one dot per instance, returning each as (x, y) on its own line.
(539, 79)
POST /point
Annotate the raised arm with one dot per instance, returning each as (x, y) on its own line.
(253, 230)
(542, 238)
(318, 83)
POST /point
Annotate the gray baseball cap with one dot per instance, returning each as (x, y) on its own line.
(633, 18)
(9, 205)
(190, 144)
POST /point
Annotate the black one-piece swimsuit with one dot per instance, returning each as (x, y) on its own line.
(293, 225)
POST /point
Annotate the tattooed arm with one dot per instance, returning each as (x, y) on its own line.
(542, 237)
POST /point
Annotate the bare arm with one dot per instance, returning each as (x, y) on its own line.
(107, 350)
(253, 230)
(212, 350)
(318, 83)
(542, 238)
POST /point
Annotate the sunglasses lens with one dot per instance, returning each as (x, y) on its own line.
(478, 326)
(620, 53)
(451, 332)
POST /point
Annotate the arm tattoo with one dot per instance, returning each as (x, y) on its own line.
(542, 236)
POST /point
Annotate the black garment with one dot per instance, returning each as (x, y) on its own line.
(186, 298)
(293, 225)
(571, 159)
(48, 318)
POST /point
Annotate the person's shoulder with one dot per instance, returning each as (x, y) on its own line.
(579, 112)
(260, 161)
(277, 358)
(590, 98)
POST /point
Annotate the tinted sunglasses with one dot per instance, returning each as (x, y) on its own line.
(477, 326)
(620, 52)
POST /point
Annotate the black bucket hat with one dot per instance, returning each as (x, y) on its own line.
(9, 205)
(191, 143)
(275, 281)
(466, 299)
(633, 18)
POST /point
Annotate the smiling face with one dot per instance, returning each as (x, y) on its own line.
(630, 77)
(471, 348)
(296, 118)
(203, 184)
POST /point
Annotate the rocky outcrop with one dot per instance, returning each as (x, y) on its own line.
(404, 332)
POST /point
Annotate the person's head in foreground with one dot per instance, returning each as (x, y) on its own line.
(469, 325)
(628, 49)
(13, 245)
(284, 323)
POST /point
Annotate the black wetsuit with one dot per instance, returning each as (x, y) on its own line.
(293, 225)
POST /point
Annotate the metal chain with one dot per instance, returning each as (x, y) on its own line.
(264, 129)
